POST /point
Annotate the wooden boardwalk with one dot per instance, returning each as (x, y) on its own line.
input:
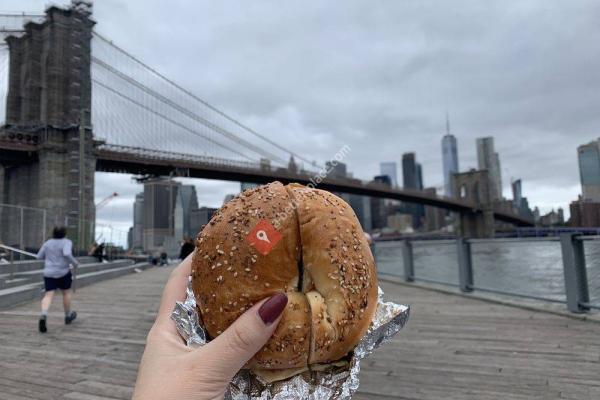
(453, 348)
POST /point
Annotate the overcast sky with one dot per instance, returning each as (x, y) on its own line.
(379, 77)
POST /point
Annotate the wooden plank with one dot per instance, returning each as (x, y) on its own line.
(453, 348)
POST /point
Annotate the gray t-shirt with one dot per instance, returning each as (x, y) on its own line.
(57, 255)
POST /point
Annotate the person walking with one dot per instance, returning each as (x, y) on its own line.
(187, 247)
(57, 254)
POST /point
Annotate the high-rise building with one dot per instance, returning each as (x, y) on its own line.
(517, 194)
(378, 207)
(186, 201)
(336, 169)
(200, 217)
(137, 235)
(160, 199)
(450, 159)
(412, 178)
(589, 170)
(488, 159)
(247, 185)
(409, 171)
(390, 168)
(228, 198)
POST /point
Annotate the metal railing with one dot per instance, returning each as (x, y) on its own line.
(563, 269)
(27, 228)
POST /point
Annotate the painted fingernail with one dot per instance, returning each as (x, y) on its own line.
(272, 308)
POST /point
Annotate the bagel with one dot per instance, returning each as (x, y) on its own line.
(322, 261)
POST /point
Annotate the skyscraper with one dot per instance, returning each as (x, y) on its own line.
(409, 171)
(589, 170)
(379, 212)
(160, 197)
(412, 178)
(390, 168)
(137, 234)
(185, 202)
(449, 158)
(489, 160)
(336, 169)
(517, 194)
(247, 185)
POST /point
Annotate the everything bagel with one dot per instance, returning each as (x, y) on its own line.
(317, 254)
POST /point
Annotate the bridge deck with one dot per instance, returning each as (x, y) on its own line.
(453, 348)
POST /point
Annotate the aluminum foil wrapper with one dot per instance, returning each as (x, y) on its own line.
(332, 383)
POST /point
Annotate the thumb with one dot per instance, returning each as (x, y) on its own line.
(247, 335)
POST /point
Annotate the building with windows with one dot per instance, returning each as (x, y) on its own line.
(137, 233)
(588, 156)
(488, 159)
(412, 178)
(390, 168)
(247, 185)
(450, 161)
(186, 202)
(160, 199)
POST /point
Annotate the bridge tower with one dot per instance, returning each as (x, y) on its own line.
(475, 186)
(49, 108)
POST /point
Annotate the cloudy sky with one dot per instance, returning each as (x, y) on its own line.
(379, 77)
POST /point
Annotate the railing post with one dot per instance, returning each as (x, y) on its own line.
(465, 266)
(407, 258)
(576, 283)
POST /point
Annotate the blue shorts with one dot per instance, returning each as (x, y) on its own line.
(62, 283)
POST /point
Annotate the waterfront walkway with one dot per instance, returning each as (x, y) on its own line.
(453, 348)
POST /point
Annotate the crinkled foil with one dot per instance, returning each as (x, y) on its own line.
(334, 383)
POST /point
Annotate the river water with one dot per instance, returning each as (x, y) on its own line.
(532, 268)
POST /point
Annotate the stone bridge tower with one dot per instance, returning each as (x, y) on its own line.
(48, 108)
(475, 186)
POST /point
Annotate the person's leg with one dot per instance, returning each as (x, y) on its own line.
(66, 294)
(46, 302)
(67, 280)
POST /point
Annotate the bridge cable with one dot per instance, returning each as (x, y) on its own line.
(187, 112)
(236, 122)
(168, 119)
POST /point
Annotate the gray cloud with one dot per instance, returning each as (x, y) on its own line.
(380, 77)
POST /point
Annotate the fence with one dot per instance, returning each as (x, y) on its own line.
(562, 270)
(26, 228)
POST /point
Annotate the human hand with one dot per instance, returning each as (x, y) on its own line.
(171, 370)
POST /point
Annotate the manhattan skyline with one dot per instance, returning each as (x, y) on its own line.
(392, 101)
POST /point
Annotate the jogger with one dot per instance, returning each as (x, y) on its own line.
(57, 255)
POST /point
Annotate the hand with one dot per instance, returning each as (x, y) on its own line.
(171, 370)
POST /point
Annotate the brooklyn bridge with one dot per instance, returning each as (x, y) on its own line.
(77, 103)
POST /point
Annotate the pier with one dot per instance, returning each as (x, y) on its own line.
(454, 347)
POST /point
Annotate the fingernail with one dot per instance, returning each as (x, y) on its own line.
(272, 308)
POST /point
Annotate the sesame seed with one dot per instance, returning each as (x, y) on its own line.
(267, 284)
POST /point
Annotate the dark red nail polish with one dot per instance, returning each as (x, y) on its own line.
(272, 308)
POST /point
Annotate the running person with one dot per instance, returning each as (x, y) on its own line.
(57, 255)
